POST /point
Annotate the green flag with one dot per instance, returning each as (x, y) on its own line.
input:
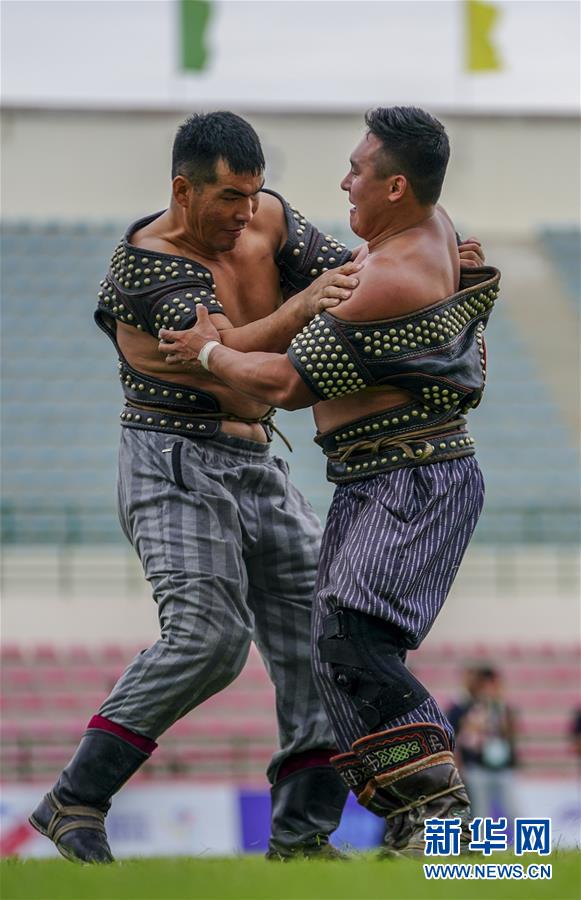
(194, 18)
(480, 20)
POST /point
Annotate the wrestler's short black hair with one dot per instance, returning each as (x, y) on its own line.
(416, 143)
(204, 138)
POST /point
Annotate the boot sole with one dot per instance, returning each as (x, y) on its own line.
(294, 857)
(391, 853)
(410, 853)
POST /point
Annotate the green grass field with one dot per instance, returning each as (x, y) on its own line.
(251, 878)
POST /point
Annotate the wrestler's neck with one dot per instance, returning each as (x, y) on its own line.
(402, 224)
(174, 229)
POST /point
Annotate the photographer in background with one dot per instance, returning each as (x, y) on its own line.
(485, 726)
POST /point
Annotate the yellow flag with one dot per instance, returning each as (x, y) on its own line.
(480, 53)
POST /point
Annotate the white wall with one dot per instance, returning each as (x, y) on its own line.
(78, 595)
(334, 55)
(506, 176)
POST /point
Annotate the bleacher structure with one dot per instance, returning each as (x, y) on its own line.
(49, 694)
(61, 402)
(562, 247)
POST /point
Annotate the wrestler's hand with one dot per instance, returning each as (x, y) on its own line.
(184, 346)
(471, 253)
(329, 289)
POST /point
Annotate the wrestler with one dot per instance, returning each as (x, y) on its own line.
(227, 542)
(391, 374)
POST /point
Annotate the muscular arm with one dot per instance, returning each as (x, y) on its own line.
(268, 377)
(274, 332)
(386, 288)
(272, 378)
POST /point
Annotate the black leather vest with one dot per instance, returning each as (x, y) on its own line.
(149, 291)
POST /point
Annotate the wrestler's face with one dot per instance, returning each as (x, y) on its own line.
(367, 191)
(219, 211)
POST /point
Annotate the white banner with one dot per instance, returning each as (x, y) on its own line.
(281, 55)
(184, 819)
(169, 819)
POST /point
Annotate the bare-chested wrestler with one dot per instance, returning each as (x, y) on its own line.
(228, 544)
(391, 374)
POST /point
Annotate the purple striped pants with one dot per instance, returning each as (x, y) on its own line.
(391, 548)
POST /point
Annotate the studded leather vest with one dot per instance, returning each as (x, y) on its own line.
(437, 354)
(149, 291)
(307, 253)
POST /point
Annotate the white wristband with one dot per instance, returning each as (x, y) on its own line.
(204, 354)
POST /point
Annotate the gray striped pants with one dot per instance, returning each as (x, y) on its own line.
(230, 548)
(391, 548)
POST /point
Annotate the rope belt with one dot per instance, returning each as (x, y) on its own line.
(437, 442)
(345, 451)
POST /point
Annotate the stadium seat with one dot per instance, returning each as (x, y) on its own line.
(562, 248)
(60, 488)
(49, 693)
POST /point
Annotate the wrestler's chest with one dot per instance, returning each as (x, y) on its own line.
(248, 292)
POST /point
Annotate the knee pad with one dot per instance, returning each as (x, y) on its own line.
(367, 656)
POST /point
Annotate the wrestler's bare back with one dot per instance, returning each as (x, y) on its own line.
(423, 262)
(248, 287)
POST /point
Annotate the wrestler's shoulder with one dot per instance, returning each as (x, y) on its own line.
(153, 243)
(148, 236)
(269, 221)
(270, 210)
(391, 271)
(387, 288)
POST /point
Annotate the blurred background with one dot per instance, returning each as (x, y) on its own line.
(92, 94)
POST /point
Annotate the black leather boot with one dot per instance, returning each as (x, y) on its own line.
(306, 808)
(73, 814)
(415, 778)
